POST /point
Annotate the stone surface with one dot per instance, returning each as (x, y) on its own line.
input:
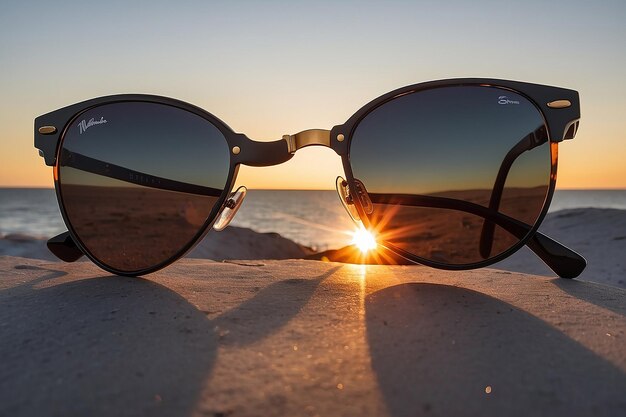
(306, 338)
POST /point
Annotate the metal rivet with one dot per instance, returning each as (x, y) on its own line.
(236, 150)
(340, 137)
(47, 130)
(559, 104)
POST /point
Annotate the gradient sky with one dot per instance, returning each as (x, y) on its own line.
(274, 68)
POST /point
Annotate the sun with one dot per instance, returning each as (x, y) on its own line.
(364, 240)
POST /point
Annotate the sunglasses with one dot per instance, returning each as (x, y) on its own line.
(453, 174)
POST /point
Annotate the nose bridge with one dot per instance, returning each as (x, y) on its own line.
(311, 137)
(263, 154)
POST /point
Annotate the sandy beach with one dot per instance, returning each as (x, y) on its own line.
(597, 234)
(231, 243)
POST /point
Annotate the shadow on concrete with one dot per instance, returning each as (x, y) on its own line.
(101, 346)
(604, 296)
(269, 310)
(118, 346)
(435, 349)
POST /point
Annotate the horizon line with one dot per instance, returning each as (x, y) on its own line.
(37, 187)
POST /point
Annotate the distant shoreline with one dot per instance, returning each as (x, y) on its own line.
(36, 187)
(599, 235)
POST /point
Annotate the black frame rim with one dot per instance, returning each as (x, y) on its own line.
(351, 125)
(218, 206)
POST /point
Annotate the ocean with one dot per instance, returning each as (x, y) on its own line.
(312, 218)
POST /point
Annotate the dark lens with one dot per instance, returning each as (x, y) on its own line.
(457, 174)
(138, 181)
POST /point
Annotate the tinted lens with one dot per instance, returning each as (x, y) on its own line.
(138, 180)
(457, 174)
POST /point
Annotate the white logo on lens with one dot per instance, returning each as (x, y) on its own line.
(83, 125)
(505, 100)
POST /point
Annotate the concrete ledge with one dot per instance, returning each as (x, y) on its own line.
(306, 338)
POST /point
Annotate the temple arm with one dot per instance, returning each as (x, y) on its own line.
(64, 247)
(562, 260)
(106, 169)
(535, 138)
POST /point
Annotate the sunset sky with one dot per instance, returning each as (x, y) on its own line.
(274, 68)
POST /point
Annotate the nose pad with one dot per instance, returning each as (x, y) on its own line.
(233, 202)
(363, 196)
(347, 198)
